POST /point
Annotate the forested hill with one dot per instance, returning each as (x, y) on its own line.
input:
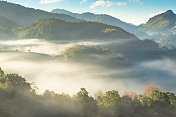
(26, 16)
(94, 55)
(62, 30)
(163, 23)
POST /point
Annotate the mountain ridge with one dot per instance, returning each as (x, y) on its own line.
(17, 13)
(106, 19)
(162, 24)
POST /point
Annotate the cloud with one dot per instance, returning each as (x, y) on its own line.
(133, 20)
(136, 1)
(83, 1)
(121, 3)
(154, 14)
(20, 3)
(49, 1)
(101, 3)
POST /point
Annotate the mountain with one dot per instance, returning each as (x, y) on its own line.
(62, 30)
(162, 24)
(6, 27)
(26, 16)
(106, 19)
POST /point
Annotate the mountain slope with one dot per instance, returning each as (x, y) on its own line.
(26, 16)
(61, 30)
(106, 19)
(162, 24)
(6, 27)
(4, 22)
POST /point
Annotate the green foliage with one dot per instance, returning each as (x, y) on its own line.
(110, 98)
(108, 30)
(13, 81)
(89, 105)
(164, 98)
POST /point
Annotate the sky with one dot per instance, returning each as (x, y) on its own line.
(130, 11)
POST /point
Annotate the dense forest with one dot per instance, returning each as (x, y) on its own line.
(19, 99)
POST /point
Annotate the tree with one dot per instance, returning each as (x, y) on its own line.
(88, 103)
(110, 99)
(163, 98)
(149, 88)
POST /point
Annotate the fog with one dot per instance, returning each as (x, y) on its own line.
(65, 77)
(61, 76)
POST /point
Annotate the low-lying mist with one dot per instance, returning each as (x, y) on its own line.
(65, 77)
(36, 65)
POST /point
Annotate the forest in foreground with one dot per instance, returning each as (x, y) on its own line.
(19, 99)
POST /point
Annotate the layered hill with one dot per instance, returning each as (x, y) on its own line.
(94, 55)
(26, 16)
(106, 19)
(76, 53)
(61, 30)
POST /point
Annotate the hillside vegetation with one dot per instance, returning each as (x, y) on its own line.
(19, 99)
(61, 30)
(94, 55)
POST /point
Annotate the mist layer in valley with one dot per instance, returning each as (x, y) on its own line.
(45, 64)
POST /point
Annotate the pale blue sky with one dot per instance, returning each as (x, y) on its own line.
(131, 11)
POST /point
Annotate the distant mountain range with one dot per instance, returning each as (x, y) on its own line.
(26, 16)
(106, 19)
(63, 24)
(61, 30)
